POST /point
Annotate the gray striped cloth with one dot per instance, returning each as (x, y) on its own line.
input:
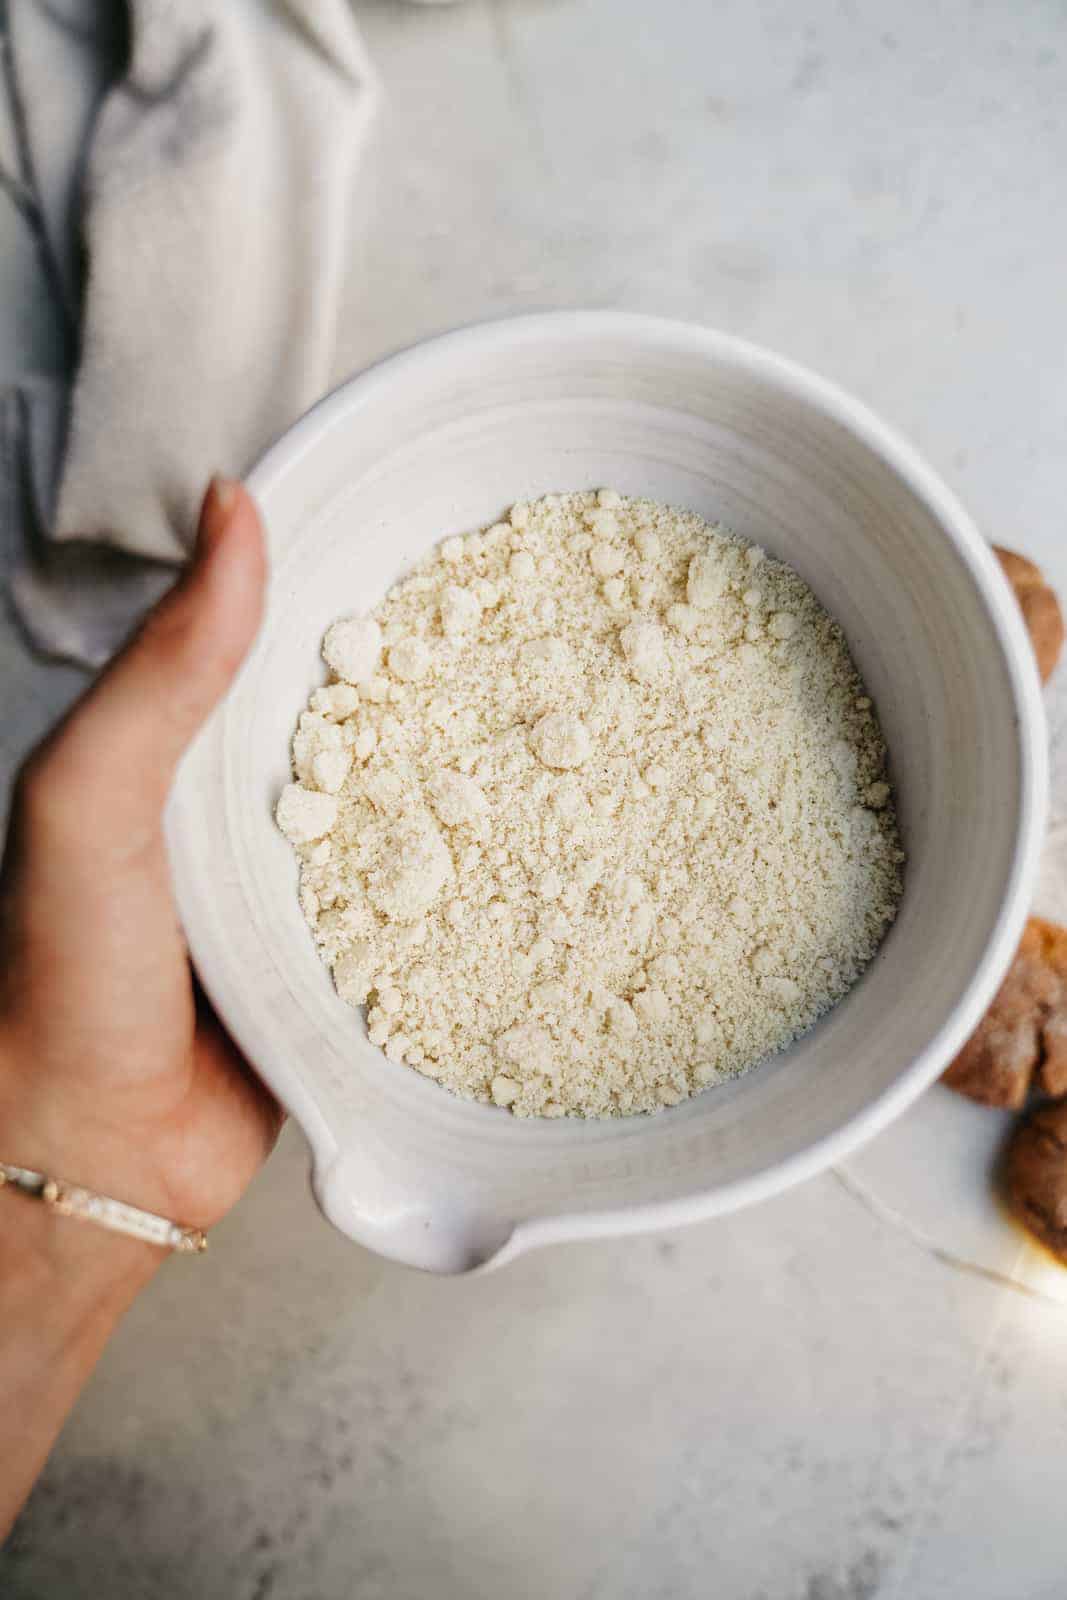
(181, 171)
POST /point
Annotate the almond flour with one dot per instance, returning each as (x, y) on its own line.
(596, 814)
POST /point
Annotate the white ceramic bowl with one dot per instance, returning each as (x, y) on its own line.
(442, 438)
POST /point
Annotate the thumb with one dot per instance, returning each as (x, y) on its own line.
(122, 742)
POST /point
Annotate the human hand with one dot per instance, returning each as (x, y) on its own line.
(112, 1073)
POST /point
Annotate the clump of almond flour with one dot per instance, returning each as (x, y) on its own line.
(595, 814)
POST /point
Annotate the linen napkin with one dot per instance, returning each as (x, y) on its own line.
(200, 153)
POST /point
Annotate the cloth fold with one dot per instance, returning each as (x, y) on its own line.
(212, 218)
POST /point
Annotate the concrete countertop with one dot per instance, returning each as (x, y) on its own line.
(838, 1395)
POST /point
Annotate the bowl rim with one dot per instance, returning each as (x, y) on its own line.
(1007, 629)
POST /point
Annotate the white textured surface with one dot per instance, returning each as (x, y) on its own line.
(798, 1403)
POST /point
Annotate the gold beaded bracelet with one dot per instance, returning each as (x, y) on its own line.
(71, 1200)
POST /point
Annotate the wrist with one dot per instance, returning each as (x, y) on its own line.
(71, 1258)
(85, 1274)
(84, 1271)
(64, 1286)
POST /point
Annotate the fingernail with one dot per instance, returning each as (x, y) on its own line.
(219, 501)
(223, 491)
